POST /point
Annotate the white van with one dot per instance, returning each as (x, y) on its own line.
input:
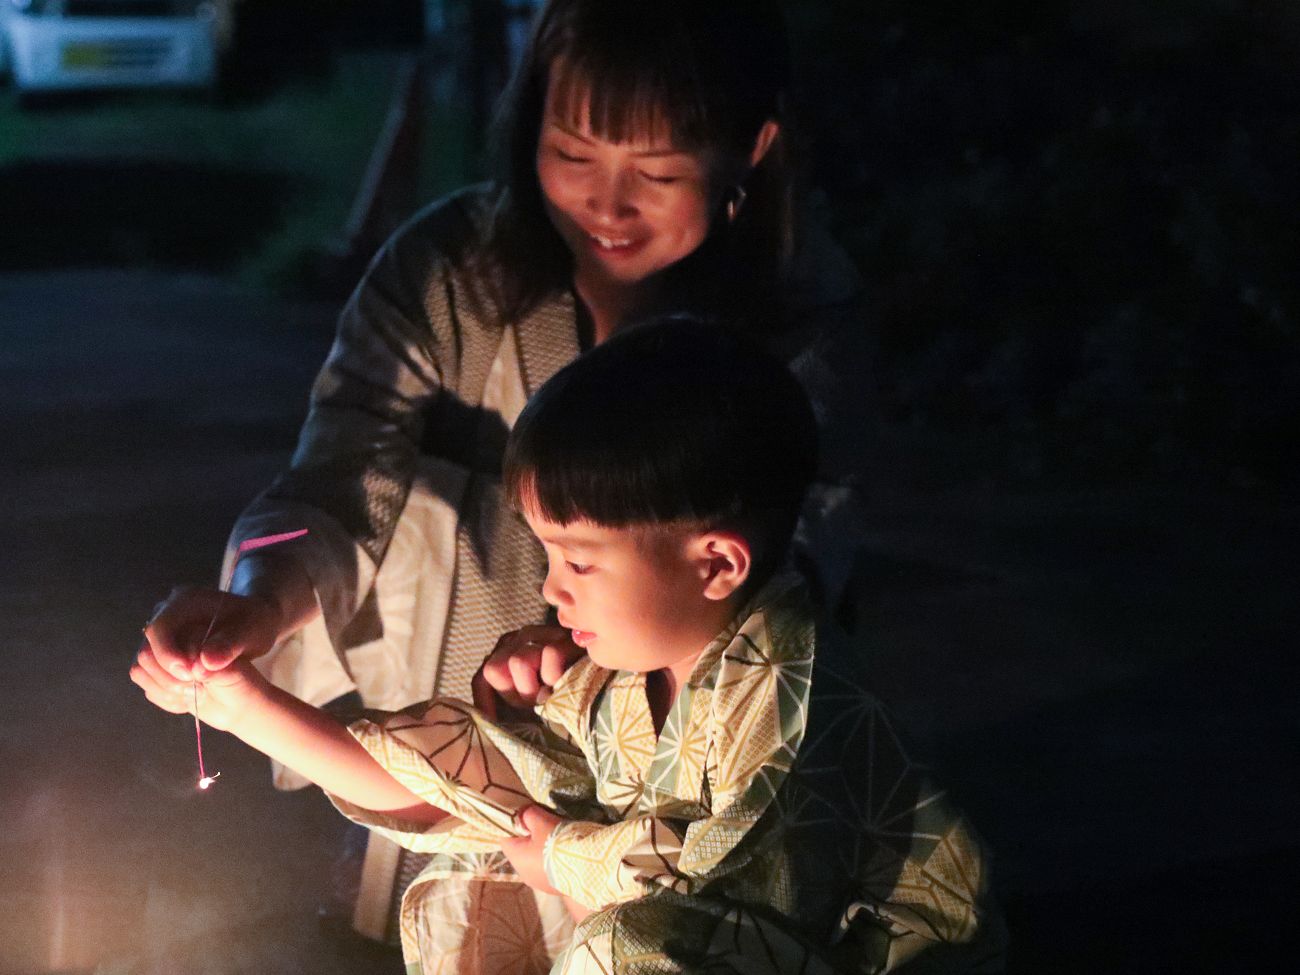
(49, 45)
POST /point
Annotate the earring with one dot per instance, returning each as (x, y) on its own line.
(735, 200)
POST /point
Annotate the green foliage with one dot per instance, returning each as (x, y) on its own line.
(1076, 221)
(254, 184)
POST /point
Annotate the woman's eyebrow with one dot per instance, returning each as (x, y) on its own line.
(639, 153)
(657, 153)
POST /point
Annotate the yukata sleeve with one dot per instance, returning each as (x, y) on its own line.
(395, 350)
(871, 820)
(754, 714)
(481, 772)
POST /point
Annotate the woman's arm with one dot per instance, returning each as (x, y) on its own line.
(195, 632)
(395, 350)
(351, 470)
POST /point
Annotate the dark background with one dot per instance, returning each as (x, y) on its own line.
(1077, 224)
(1077, 221)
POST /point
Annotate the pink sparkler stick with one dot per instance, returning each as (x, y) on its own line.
(204, 779)
(247, 545)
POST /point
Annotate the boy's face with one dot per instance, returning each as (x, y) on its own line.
(633, 597)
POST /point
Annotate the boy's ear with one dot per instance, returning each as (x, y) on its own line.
(724, 561)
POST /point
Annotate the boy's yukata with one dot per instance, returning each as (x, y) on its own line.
(775, 824)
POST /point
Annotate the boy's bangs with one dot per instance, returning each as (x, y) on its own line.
(635, 102)
(561, 488)
(525, 492)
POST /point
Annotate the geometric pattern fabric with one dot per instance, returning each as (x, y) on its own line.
(775, 824)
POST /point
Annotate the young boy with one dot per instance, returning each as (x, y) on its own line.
(703, 792)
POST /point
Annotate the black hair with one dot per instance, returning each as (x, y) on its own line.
(712, 71)
(674, 421)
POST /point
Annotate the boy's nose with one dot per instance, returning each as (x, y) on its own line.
(551, 592)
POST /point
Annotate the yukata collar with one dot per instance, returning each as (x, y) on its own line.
(574, 695)
(775, 589)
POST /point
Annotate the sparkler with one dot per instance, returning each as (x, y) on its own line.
(205, 780)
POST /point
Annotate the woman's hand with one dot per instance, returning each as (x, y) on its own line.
(223, 697)
(524, 666)
(248, 626)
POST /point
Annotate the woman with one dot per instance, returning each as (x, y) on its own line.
(645, 168)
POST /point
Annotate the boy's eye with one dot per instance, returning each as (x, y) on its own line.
(577, 568)
(569, 157)
(659, 179)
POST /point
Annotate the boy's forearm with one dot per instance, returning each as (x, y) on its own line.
(578, 912)
(314, 744)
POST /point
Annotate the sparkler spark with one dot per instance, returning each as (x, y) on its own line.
(247, 545)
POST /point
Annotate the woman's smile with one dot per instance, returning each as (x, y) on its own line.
(616, 246)
(626, 210)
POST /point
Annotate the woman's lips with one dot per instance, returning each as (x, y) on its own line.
(615, 245)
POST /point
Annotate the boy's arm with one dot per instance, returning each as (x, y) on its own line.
(598, 865)
(746, 725)
(239, 700)
(316, 746)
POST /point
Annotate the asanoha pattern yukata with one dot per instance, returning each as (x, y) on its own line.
(417, 563)
(774, 825)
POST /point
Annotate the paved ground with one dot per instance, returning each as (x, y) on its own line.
(1099, 674)
(139, 412)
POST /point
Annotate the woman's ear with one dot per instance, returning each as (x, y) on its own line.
(724, 561)
(766, 136)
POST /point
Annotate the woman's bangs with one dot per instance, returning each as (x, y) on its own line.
(632, 103)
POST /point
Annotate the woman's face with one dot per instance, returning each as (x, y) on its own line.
(627, 210)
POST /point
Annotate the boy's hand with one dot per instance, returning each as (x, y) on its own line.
(247, 627)
(523, 667)
(223, 696)
(525, 853)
